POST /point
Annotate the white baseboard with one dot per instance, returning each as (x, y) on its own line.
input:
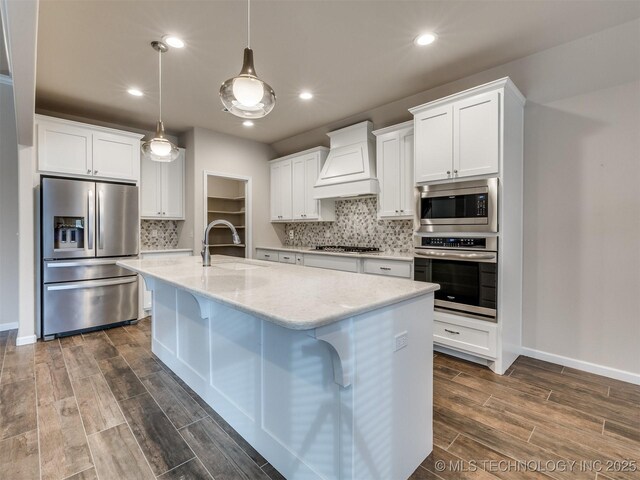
(582, 365)
(8, 326)
(26, 340)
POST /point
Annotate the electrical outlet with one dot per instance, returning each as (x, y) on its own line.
(402, 340)
(290, 234)
(154, 233)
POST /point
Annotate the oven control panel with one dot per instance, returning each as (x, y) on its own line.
(454, 242)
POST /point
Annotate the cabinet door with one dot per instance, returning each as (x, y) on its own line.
(407, 188)
(115, 156)
(311, 172)
(433, 131)
(286, 194)
(64, 149)
(389, 174)
(173, 188)
(150, 188)
(275, 192)
(476, 135)
(298, 188)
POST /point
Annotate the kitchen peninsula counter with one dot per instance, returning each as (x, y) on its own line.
(326, 374)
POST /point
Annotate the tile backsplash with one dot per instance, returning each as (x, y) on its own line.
(166, 234)
(356, 224)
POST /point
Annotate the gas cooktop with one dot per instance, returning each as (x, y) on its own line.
(346, 249)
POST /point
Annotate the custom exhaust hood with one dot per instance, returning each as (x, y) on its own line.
(350, 167)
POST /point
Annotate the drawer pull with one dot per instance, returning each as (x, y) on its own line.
(385, 268)
(287, 258)
(451, 297)
(267, 256)
(451, 331)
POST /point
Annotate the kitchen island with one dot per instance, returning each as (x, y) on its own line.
(327, 374)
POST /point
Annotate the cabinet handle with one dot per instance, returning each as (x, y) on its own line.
(448, 172)
(267, 256)
(159, 213)
(451, 331)
(95, 172)
(397, 211)
(89, 171)
(455, 171)
(401, 210)
(287, 258)
(163, 213)
(385, 268)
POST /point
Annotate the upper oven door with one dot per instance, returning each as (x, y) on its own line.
(467, 206)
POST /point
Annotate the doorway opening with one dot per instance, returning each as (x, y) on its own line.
(227, 197)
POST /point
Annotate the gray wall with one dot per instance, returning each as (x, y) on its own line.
(221, 153)
(581, 202)
(9, 253)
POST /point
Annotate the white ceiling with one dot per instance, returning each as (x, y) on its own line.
(354, 55)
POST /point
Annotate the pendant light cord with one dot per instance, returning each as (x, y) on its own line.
(160, 84)
(248, 23)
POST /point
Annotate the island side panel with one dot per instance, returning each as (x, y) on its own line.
(393, 389)
(277, 388)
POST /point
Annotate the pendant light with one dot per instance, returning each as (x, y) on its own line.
(245, 95)
(160, 149)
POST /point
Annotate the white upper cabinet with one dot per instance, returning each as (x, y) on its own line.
(115, 156)
(476, 135)
(434, 144)
(162, 189)
(281, 191)
(292, 181)
(77, 149)
(461, 136)
(395, 171)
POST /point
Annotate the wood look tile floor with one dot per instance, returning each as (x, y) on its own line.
(102, 406)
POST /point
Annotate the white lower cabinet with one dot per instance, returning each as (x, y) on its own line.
(345, 263)
(389, 268)
(477, 337)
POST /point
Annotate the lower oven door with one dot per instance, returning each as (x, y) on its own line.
(468, 280)
(71, 306)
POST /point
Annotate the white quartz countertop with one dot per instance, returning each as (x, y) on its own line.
(407, 257)
(166, 250)
(288, 295)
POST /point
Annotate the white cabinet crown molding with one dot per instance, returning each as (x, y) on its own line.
(64, 121)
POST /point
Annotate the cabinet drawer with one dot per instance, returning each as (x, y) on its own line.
(468, 335)
(268, 255)
(286, 257)
(387, 267)
(346, 264)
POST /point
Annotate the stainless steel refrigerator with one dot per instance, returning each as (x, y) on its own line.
(85, 228)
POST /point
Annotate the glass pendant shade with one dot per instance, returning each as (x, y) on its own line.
(159, 149)
(245, 95)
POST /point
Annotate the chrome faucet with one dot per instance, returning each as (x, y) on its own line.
(206, 256)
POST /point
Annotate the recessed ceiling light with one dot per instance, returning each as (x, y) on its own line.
(173, 41)
(425, 39)
(135, 92)
(306, 95)
(248, 123)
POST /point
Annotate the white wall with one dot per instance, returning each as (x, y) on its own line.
(581, 202)
(221, 153)
(9, 251)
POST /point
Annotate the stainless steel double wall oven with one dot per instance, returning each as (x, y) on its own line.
(456, 246)
(86, 227)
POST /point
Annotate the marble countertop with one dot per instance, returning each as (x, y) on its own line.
(407, 256)
(287, 295)
(166, 250)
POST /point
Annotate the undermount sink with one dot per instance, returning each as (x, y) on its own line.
(236, 266)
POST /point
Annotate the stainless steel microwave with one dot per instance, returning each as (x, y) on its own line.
(459, 207)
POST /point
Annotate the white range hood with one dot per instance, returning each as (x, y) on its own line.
(350, 167)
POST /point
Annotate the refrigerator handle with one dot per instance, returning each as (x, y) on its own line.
(100, 220)
(90, 219)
